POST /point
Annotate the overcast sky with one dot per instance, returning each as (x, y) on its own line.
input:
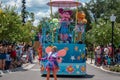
(38, 7)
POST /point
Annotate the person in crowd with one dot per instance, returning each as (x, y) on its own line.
(8, 61)
(98, 55)
(2, 56)
(30, 53)
(13, 52)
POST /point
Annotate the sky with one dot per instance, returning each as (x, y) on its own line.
(38, 7)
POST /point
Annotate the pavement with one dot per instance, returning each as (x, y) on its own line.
(92, 61)
(28, 66)
(25, 66)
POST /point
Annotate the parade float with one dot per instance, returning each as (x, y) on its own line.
(68, 38)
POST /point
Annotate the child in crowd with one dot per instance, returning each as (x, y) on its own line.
(8, 61)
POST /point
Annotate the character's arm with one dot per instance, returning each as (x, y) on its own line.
(43, 59)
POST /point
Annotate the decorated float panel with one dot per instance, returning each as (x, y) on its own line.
(73, 63)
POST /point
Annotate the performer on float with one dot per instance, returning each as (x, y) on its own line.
(64, 23)
(79, 28)
(54, 25)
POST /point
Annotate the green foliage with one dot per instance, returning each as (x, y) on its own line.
(11, 28)
(115, 68)
(102, 8)
(102, 33)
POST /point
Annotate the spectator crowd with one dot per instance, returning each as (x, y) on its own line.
(107, 55)
(15, 55)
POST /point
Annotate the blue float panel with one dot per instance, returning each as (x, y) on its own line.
(73, 63)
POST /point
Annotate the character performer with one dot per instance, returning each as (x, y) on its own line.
(64, 23)
(79, 28)
(53, 58)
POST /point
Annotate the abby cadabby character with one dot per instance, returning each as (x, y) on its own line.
(79, 28)
(53, 58)
(64, 23)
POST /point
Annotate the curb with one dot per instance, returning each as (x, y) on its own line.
(111, 72)
(107, 71)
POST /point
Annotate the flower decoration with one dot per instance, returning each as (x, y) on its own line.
(83, 55)
(76, 48)
(83, 69)
(70, 69)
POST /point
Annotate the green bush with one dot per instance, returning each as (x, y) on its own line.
(115, 68)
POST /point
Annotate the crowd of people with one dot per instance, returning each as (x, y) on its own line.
(106, 55)
(14, 55)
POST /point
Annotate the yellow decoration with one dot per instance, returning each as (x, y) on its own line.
(83, 56)
(1, 11)
(66, 48)
(83, 69)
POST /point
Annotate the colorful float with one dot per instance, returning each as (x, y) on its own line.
(62, 34)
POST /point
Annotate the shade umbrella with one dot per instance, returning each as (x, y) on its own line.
(64, 3)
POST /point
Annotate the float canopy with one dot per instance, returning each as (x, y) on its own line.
(63, 3)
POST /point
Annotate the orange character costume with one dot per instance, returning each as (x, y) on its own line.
(79, 28)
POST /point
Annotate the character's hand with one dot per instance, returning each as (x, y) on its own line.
(59, 59)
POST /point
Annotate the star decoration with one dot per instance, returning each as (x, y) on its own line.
(72, 58)
(66, 48)
(80, 50)
(78, 57)
(83, 56)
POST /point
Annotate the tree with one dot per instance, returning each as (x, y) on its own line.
(101, 33)
(102, 8)
(11, 28)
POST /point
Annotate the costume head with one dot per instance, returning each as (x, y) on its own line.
(54, 23)
(65, 14)
(81, 17)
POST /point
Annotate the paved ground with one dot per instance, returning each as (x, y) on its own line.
(31, 72)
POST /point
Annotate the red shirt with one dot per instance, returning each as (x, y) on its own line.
(13, 54)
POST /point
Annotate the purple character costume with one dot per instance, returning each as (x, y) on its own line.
(52, 61)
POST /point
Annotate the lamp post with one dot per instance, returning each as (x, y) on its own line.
(112, 19)
(23, 11)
